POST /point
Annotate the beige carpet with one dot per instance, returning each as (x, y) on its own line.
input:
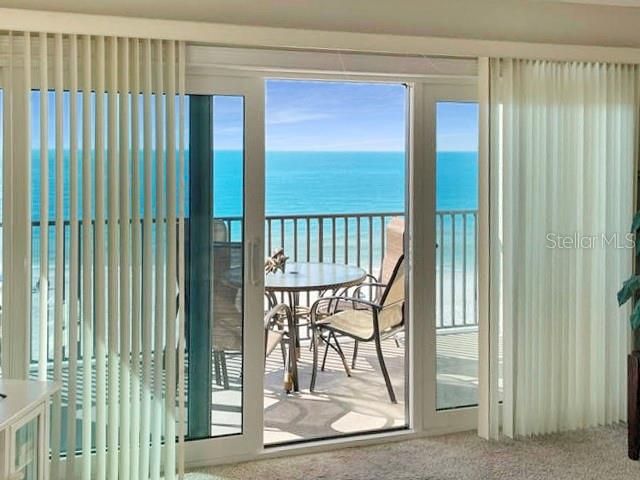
(596, 454)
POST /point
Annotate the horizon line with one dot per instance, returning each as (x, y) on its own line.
(294, 151)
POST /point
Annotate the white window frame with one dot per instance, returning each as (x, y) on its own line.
(249, 442)
(463, 418)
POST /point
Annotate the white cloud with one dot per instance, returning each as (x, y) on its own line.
(294, 115)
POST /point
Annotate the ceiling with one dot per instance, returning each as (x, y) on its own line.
(586, 22)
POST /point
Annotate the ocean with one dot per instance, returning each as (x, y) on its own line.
(343, 182)
(317, 182)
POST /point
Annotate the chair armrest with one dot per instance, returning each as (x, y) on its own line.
(336, 300)
(279, 309)
(369, 280)
(370, 285)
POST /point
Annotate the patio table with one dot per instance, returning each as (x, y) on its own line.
(300, 277)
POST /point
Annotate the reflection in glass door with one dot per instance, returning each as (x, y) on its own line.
(216, 266)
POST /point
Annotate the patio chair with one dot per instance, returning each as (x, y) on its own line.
(227, 337)
(226, 331)
(365, 321)
(373, 287)
(275, 321)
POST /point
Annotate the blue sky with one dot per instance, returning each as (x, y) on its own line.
(329, 116)
(341, 116)
(335, 116)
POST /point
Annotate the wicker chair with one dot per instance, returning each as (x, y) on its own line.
(364, 321)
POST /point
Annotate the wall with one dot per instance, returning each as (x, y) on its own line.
(513, 20)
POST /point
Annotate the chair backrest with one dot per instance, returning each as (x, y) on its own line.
(219, 231)
(394, 248)
(392, 300)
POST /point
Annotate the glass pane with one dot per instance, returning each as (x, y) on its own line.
(215, 266)
(335, 201)
(227, 266)
(456, 254)
(26, 459)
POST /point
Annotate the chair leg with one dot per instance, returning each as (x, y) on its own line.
(385, 373)
(355, 354)
(284, 353)
(314, 370)
(324, 358)
(225, 372)
(216, 365)
(342, 357)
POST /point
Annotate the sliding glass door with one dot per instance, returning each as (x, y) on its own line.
(224, 267)
(235, 398)
(451, 140)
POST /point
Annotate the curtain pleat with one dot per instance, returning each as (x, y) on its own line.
(563, 146)
(108, 247)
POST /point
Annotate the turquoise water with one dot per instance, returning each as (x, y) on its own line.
(312, 183)
(316, 182)
(343, 182)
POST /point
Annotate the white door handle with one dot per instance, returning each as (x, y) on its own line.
(255, 262)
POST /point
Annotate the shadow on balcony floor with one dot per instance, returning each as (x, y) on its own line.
(342, 405)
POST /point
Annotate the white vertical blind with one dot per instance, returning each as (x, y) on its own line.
(148, 265)
(43, 284)
(86, 299)
(74, 265)
(100, 267)
(118, 244)
(136, 292)
(171, 268)
(113, 269)
(56, 413)
(181, 272)
(125, 267)
(563, 156)
(160, 213)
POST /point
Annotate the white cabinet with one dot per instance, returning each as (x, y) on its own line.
(24, 429)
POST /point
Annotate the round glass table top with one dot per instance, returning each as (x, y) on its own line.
(303, 276)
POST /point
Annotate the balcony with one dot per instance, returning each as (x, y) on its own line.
(348, 405)
(358, 403)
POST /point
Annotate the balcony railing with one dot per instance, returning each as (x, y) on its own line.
(359, 239)
(356, 239)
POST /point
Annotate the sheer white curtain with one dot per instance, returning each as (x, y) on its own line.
(105, 223)
(563, 147)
